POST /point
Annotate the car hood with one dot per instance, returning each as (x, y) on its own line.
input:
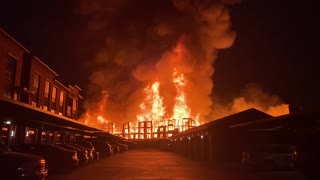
(16, 156)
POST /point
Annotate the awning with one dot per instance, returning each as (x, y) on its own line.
(19, 112)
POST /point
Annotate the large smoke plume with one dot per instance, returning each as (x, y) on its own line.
(140, 39)
(251, 96)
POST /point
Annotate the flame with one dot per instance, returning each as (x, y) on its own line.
(181, 109)
(100, 120)
(186, 70)
(152, 108)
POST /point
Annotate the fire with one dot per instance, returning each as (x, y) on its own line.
(181, 109)
(101, 119)
(152, 107)
(98, 114)
(153, 80)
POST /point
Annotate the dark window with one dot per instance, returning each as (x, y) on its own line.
(36, 82)
(10, 72)
(35, 89)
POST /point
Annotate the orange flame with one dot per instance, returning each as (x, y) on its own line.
(97, 114)
(152, 108)
(181, 109)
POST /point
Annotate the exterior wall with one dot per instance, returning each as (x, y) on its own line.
(10, 78)
(18, 84)
(10, 49)
(32, 66)
(73, 98)
(22, 86)
(60, 107)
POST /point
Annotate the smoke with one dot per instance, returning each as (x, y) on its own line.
(145, 41)
(252, 96)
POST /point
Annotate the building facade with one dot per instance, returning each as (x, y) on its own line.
(26, 80)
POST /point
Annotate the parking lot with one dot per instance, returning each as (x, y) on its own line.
(144, 164)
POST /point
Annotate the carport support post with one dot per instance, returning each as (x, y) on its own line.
(20, 134)
(202, 151)
(56, 139)
(210, 157)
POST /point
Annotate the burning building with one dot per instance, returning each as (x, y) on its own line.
(156, 65)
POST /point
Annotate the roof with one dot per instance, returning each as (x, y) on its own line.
(4, 33)
(249, 115)
(46, 66)
(32, 115)
(304, 116)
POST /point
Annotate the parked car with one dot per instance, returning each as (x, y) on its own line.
(57, 158)
(309, 154)
(121, 147)
(14, 165)
(87, 144)
(130, 144)
(270, 156)
(90, 151)
(114, 146)
(104, 148)
(82, 153)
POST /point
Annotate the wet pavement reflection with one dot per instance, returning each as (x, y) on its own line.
(162, 165)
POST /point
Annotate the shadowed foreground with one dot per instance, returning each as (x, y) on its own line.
(162, 165)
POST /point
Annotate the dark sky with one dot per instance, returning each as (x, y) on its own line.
(275, 47)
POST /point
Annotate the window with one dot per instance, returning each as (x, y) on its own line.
(69, 106)
(10, 71)
(35, 90)
(68, 111)
(36, 81)
(54, 94)
(11, 68)
(15, 96)
(61, 98)
(74, 105)
(46, 89)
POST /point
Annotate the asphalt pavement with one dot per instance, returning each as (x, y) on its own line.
(144, 164)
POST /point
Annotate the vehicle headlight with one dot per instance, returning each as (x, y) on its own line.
(20, 171)
(25, 168)
(75, 156)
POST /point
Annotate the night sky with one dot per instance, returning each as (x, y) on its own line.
(275, 47)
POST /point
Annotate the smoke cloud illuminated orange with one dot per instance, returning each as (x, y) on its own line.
(157, 66)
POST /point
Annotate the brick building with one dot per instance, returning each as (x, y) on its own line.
(25, 78)
(27, 81)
